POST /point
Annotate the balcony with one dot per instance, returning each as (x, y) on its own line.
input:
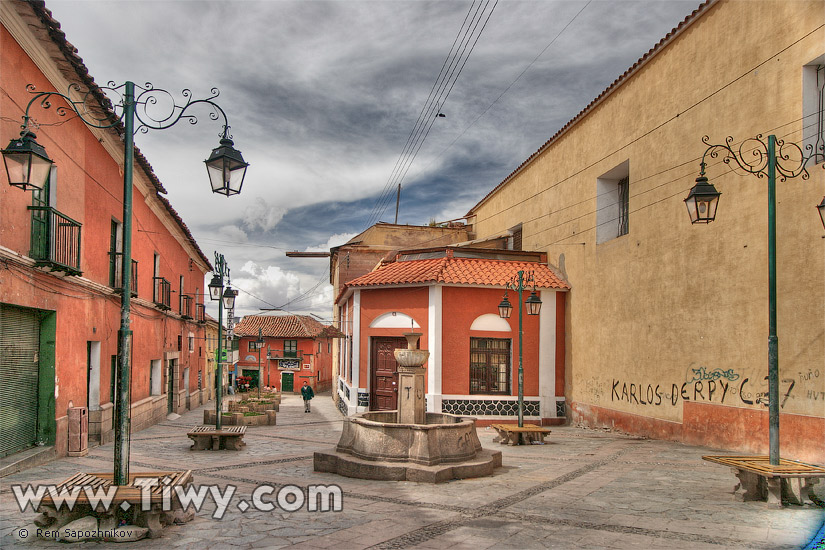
(277, 355)
(185, 306)
(55, 242)
(200, 313)
(116, 273)
(162, 293)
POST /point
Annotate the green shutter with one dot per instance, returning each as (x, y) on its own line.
(19, 344)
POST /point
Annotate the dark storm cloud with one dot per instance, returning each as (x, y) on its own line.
(322, 97)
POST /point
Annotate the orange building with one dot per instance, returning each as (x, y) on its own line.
(451, 296)
(60, 268)
(292, 349)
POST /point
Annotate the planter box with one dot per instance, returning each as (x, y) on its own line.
(238, 419)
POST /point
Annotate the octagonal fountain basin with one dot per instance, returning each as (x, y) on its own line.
(374, 446)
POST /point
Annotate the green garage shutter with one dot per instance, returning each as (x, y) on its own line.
(19, 341)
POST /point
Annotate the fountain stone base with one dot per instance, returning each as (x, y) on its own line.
(374, 445)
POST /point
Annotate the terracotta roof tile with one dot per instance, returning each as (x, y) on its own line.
(458, 271)
(284, 326)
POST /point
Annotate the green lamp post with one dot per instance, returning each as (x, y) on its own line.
(533, 303)
(761, 158)
(225, 297)
(27, 167)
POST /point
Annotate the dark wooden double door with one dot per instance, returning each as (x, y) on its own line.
(384, 373)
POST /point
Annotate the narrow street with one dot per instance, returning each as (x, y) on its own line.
(584, 489)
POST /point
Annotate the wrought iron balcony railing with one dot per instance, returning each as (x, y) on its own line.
(116, 273)
(200, 313)
(162, 293)
(185, 306)
(55, 241)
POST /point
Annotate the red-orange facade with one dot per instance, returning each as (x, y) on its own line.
(60, 268)
(473, 364)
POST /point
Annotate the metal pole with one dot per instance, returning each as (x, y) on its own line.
(122, 412)
(219, 393)
(520, 342)
(773, 342)
(260, 374)
(397, 202)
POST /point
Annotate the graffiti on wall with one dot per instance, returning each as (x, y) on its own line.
(712, 386)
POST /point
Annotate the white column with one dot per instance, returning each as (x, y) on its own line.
(94, 376)
(547, 354)
(434, 393)
(355, 315)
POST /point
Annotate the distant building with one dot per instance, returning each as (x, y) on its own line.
(293, 349)
(382, 241)
(451, 295)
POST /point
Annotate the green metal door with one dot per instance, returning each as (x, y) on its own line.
(19, 343)
(286, 381)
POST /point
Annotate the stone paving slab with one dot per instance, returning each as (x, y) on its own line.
(583, 489)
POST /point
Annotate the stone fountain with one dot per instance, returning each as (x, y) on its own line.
(409, 443)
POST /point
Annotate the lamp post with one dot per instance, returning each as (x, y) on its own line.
(533, 308)
(760, 158)
(259, 343)
(28, 166)
(226, 299)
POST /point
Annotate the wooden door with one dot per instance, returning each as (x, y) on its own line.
(384, 376)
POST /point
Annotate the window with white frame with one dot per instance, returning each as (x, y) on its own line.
(813, 109)
(613, 203)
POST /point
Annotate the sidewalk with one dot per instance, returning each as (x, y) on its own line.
(584, 489)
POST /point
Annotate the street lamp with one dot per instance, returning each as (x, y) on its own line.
(821, 208)
(259, 343)
(761, 158)
(27, 166)
(225, 298)
(533, 308)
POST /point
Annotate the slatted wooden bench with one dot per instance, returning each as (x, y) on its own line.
(511, 434)
(127, 500)
(207, 437)
(760, 480)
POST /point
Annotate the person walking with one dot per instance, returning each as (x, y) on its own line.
(307, 394)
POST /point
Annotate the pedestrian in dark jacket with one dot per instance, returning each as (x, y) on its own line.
(307, 394)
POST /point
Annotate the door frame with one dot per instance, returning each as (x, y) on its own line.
(373, 349)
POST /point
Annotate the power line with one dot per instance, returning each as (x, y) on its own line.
(451, 70)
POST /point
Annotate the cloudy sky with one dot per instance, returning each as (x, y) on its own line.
(323, 97)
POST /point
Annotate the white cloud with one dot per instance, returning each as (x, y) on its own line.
(333, 241)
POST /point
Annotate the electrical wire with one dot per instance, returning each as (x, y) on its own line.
(451, 70)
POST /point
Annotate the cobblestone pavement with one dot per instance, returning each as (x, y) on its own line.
(584, 489)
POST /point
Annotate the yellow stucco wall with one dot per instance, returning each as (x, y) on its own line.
(670, 304)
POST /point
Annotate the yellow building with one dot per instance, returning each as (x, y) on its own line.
(667, 321)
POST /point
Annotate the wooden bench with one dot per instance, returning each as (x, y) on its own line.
(143, 513)
(511, 434)
(760, 480)
(207, 437)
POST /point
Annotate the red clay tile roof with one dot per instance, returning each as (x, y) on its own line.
(284, 326)
(458, 271)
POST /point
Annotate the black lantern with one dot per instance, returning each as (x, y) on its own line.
(27, 164)
(229, 298)
(505, 308)
(821, 208)
(215, 288)
(702, 201)
(226, 168)
(533, 304)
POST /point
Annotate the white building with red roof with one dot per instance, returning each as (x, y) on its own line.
(451, 296)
